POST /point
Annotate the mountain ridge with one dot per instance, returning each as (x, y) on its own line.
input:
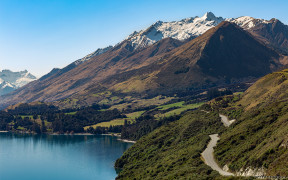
(180, 30)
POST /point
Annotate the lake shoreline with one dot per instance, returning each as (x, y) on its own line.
(76, 134)
(68, 134)
(119, 138)
(54, 134)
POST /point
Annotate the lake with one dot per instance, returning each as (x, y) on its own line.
(47, 157)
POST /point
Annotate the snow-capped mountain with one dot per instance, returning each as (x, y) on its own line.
(180, 30)
(10, 81)
(273, 32)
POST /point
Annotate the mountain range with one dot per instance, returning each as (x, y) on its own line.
(9, 81)
(166, 58)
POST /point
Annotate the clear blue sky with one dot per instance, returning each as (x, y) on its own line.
(39, 35)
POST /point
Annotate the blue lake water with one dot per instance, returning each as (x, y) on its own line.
(55, 157)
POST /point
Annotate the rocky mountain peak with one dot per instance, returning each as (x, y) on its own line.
(181, 30)
(209, 16)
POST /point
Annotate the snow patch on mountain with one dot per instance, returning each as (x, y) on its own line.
(95, 53)
(7, 84)
(247, 22)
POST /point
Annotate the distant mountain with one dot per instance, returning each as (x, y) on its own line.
(224, 54)
(10, 81)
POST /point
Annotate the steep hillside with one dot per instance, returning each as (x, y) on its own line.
(57, 71)
(267, 90)
(233, 53)
(258, 140)
(256, 144)
(172, 151)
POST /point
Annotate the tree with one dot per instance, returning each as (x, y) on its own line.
(43, 127)
(36, 128)
(35, 116)
(213, 93)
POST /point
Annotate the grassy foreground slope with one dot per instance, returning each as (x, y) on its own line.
(173, 150)
(259, 138)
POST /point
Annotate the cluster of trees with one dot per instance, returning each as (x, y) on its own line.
(5, 119)
(42, 118)
(67, 123)
(33, 117)
(214, 92)
(10, 122)
(26, 109)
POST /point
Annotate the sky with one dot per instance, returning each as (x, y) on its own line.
(39, 35)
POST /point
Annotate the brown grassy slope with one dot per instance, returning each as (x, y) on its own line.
(120, 58)
(269, 89)
(258, 139)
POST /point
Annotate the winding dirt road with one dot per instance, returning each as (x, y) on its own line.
(208, 156)
(208, 153)
(225, 120)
